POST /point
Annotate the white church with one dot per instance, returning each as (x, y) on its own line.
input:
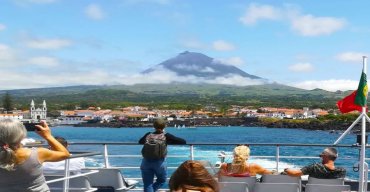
(34, 115)
(38, 113)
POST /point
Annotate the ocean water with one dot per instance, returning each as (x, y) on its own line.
(216, 135)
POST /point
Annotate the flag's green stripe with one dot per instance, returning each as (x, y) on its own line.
(362, 91)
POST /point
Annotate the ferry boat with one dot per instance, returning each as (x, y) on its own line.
(112, 178)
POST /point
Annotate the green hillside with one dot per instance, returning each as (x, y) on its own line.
(214, 89)
(177, 96)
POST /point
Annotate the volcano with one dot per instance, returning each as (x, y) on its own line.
(199, 65)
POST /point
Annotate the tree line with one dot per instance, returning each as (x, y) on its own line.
(113, 99)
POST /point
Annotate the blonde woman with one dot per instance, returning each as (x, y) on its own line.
(240, 166)
(20, 167)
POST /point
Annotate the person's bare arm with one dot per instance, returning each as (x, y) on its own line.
(59, 152)
(293, 172)
(259, 169)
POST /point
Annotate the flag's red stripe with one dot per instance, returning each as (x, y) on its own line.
(347, 104)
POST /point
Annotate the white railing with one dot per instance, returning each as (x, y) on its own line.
(66, 177)
(277, 157)
(191, 155)
(106, 156)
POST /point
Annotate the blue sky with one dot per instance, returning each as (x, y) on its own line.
(45, 43)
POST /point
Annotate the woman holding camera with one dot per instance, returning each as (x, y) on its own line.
(20, 167)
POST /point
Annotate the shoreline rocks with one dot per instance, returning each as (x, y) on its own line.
(308, 124)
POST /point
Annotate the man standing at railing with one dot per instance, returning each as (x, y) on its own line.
(154, 153)
(324, 170)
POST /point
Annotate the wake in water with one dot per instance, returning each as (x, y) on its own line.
(179, 154)
(213, 156)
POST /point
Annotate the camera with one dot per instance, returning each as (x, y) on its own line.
(31, 126)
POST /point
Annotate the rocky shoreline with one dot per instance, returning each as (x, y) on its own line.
(309, 124)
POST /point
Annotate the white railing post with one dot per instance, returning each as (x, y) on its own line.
(191, 152)
(277, 157)
(66, 175)
(106, 161)
(362, 180)
(366, 175)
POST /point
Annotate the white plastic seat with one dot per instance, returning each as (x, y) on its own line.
(110, 177)
(276, 187)
(251, 181)
(233, 187)
(282, 179)
(77, 184)
(327, 188)
(313, 180)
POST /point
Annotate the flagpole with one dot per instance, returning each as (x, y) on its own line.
(363, 165)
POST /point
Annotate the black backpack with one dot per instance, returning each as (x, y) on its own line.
(155, 146)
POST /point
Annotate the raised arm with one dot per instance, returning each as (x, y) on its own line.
(223, 170)
(59, 153)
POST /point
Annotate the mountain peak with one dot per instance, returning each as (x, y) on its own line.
(185, 52)
(199, 65)
(191, 54)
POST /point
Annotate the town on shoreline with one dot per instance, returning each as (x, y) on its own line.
(332, 126)
(141, 116)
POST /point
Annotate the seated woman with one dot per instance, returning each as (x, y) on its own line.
(192, 176)
(240, 167)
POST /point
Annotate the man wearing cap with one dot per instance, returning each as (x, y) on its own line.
(149, 166)
(323, 170)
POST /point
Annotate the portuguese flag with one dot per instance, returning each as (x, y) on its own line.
(362, 91)
(357, 99)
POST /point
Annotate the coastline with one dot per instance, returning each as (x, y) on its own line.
(308, 124)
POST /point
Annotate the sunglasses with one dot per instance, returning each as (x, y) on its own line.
(323, 155)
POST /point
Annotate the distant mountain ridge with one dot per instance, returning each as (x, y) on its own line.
(272, 89)
(199, 65)
(177, 96)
